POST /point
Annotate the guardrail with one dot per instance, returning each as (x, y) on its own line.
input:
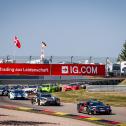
(107, 88)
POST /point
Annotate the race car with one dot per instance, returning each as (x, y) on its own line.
(49, 88)
(45, 99)
(17, 94)
(93, 107)
(71, 86)
(4, 90)
(31, 89)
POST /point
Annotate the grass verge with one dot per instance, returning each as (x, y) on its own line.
(123, 82)
(112, 98)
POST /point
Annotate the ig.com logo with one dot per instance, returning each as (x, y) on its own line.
(69, 70)
(89, 70)
(65, 70)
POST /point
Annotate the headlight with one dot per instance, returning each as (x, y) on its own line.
(43, 99)
(25, 94)
(12, 94)
(94, 109)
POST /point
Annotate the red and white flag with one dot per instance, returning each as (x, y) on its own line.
(17, 42)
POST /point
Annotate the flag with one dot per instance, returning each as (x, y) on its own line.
(44, 44)
(17, 42)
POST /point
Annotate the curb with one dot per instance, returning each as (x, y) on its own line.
(67, 115)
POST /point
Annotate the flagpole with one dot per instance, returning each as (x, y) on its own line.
(14, 51)
(42, 56)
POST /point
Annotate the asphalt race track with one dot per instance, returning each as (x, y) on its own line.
(118, 114)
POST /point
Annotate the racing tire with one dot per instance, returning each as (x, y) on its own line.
(88, 111)
(32, 101)
(58, 104)
(11, 98)
(109, 113)
(38, 102)
(78, 111)
(4, 93)
(93, 113)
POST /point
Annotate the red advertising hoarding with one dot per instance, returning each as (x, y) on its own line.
(52, 69)
(24, 69)
(78, 69)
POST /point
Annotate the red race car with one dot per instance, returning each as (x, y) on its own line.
(68, 87)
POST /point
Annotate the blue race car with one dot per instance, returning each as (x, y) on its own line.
(93, 107)
(4, 90)
(17, 94)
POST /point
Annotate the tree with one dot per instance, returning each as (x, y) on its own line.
(122, 55)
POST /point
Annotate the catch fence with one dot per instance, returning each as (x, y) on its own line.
(59, 59)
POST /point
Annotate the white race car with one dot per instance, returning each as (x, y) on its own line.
(31, 89)
(17, 94)
(45, 99)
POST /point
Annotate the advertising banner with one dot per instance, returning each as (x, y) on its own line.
(52, 69)
(24, 69)
(78, 69)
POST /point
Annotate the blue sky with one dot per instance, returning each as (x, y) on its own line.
(69, 27)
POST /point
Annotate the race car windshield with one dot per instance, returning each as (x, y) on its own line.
(72, 84)
(45, 95)
(45, 85)
(16, 91)
(96, 104)
(3, 87)
(32, 86)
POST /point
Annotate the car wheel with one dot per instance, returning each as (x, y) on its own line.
(58, 104)
(88, 111)
(109, 113)
(78, 110)
(11, 98)
(5, 93)
(2, 93)
(93, 113)
(32, 101)
(38, 102)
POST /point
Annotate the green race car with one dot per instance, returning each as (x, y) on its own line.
(49, 88)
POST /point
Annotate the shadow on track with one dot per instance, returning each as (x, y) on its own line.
(24, 123)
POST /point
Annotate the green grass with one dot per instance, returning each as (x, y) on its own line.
(112, 98)
(123, 82)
